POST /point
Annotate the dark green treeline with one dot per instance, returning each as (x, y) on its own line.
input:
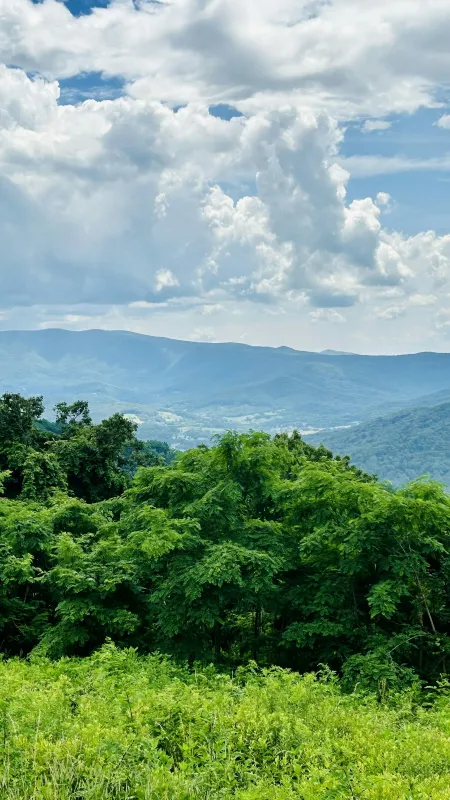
(256, 548)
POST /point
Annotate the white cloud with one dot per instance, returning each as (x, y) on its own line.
(359, 57)
(140, 212)
(25, 103)
(423, 300)
(371, 125)
(326, 315)
(124, 202)
(444, 122)
(383, 199)
(370, 165)
(165, 279)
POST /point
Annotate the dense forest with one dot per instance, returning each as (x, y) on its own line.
(398, 447)
(242, 566)
(257, 547)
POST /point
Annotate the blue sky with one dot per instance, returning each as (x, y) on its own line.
(421, 195)
(270, 173)
(80, 7)
(94, 85)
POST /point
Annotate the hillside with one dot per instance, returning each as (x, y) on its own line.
(398, 447)
(184, 392)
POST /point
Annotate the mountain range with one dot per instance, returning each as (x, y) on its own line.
(399, 447)
(184, 392)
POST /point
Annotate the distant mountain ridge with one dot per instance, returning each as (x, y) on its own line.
(184, 392)
(336, 353)
(399, 447)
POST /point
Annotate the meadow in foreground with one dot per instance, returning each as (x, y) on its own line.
(115, 725)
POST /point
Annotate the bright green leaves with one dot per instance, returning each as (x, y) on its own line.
(384, 597)
(4, 477)
(116, 725)
(256, 548)
(25, 541)
(42, 475)
(17, 571)
(229, 564)
(150, 533)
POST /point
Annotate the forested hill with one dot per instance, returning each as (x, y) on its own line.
(184, 392)
(399, 447)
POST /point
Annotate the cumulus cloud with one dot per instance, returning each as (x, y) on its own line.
(148, 202)
(371, 125)
(363, 57)
(444, 122)
(130, 201)
(383, 199)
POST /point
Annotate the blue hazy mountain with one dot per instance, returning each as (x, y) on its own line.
(398, 447)
(186, 391)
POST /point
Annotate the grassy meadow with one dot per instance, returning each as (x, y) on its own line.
(116, 725)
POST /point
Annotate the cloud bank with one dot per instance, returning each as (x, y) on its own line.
(148, 207)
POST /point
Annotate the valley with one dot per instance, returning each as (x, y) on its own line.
(187, 392)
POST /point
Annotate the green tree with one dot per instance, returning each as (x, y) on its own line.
(72, 415)
(93, 457)
(18, 416)
(255, 548)
(93, 462)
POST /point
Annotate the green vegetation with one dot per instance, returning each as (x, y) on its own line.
(91, 462)
(298, 610)
(257, 548)
(118, 726)
(398, 447)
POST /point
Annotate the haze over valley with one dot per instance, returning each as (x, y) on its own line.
(186, 392)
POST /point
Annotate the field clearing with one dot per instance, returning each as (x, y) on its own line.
(119, 726)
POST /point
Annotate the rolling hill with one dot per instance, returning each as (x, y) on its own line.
(399, 447)
(184, 392)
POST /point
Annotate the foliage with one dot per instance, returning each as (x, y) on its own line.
(118, 726)
(92, 462)
(261, 557)
(256, 548)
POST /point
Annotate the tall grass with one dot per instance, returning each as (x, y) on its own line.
(118, 726)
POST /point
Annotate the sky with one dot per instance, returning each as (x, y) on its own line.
(273, 173)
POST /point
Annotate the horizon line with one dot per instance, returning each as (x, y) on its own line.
(330, 352)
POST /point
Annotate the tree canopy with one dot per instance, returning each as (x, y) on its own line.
(254, 548)
(71, 454)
